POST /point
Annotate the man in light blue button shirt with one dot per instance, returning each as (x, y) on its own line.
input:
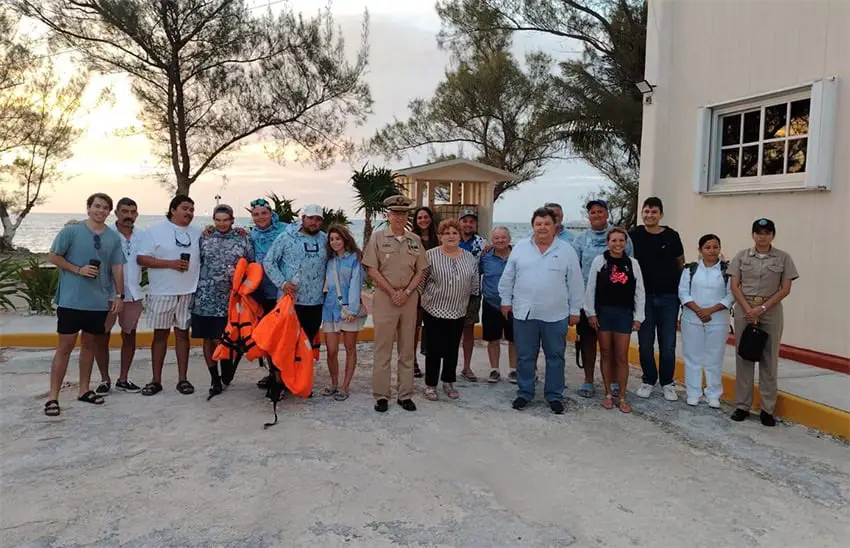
(543, 287)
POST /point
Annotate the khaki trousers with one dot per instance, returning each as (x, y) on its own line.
(393, 323)
(771, 322)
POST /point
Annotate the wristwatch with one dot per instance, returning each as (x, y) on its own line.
(120, 296)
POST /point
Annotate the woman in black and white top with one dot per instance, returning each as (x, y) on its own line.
(450, 278)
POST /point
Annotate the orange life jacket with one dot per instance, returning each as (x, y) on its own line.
(243, 315)
(280, 334)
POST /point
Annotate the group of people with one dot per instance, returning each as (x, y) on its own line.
(431, 284)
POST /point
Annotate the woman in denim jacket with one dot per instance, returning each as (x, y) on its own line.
(342, 316)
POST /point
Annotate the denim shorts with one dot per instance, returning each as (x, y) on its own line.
(615, 318)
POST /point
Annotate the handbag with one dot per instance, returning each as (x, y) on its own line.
(362, 313)
(752, 342)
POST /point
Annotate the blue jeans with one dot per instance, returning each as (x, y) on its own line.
(662, 313)
(529, 335)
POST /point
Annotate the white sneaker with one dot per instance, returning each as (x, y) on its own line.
(644, 391)
(693, 401)
(714, 403)
(670, 392)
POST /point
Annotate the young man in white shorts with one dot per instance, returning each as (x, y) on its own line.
(171, 253)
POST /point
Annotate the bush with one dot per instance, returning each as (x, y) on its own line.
(10, 282)
(39, 286)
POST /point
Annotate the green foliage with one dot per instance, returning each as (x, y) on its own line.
(373, 185)
(284, 208)
(39, 285)
(334, 217)
(487, 102)
(593, 104)
(10, 278)
(210, 74)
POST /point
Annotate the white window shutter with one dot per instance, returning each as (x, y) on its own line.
(820, 152)
(702, 150)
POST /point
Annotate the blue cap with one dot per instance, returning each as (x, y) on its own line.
(601, 203)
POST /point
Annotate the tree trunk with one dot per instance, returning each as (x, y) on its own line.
(367, 230)
(9, 229)
(183, 184)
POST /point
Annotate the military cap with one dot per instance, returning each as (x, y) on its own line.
(398, 203)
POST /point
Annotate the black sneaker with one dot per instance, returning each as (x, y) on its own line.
(215, 390)
(512, 377)
(127, 386)
(417, 373)
(495, 376)
(740, 415)
(557, 407)
(381, 406)
(520, 404)
(407, 405)
(103, 388)
(767, 419)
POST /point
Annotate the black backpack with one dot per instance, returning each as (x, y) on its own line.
(692, 269)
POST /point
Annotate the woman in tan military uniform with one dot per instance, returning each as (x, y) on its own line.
(395, 261)
(761, 279)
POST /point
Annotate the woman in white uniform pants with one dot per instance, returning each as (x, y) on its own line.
(706, 297)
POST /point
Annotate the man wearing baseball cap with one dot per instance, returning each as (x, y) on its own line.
(588, 245)
(296, 265)
(471, 241)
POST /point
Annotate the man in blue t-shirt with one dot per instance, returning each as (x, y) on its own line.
(494, 324)
(470, 241)
(91, 275)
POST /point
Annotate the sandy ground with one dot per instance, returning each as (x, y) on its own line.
(176, 470)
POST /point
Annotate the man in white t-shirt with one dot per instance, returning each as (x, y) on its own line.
(132, 237)
(171, 253)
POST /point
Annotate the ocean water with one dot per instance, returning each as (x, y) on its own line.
(37, 231)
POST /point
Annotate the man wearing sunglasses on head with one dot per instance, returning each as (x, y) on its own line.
(171, 253)
(296, 265)
(91, 275)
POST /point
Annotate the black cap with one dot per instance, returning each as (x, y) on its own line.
(601, 203)
(764, 225)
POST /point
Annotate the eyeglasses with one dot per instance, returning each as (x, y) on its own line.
(262, 202)
(97, 242)
(182, 243)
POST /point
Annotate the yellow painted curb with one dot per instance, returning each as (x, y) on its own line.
(788, 406)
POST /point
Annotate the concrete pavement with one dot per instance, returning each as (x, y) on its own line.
(175, 470)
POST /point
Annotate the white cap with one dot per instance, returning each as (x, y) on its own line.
(312, 210)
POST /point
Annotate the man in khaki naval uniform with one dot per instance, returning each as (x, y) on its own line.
(761, 278)
(395, 261)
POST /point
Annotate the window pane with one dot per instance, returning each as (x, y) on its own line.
(731, 129)
(774, 121)
(797, 155)
(729, 163)
(751, 126)
(750, 161)
(773, 160)
(800, 117)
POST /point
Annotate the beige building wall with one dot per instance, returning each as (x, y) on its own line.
(704, 52)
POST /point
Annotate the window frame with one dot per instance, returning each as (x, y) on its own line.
(822, 96)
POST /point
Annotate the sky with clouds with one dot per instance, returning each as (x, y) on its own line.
(405, 63)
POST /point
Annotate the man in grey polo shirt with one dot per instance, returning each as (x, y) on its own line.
(91, 276)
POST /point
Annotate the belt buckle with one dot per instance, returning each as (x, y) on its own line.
(758, 300)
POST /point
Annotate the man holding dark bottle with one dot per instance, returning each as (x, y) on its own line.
(91, 275)
(170, 251)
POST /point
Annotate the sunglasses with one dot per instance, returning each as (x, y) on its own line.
(182, 243)
(261, 202)
(97, 242)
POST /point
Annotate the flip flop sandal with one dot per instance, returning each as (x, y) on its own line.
(329, 391)
(431, 394)
(185, 388)
(608, 402)
(340, 395)
(625, 407)
(151, 388)
(469, 376)
(91, 397)
(451, 393)
(587, 390)
(51, 408)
